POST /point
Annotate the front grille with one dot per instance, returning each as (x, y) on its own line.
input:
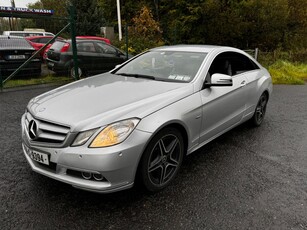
(45, 132)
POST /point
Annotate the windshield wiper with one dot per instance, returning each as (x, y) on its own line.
(137, 75)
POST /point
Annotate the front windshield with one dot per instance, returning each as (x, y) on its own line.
(175, 66)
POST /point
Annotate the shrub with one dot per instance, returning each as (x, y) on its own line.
(284, 72)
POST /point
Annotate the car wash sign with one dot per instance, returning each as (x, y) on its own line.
(18, 10)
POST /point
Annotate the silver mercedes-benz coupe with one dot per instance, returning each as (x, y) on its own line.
(139, 120)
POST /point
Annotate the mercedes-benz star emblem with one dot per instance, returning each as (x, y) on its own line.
(33, 130)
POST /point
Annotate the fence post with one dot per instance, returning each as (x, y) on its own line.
(73, 40)
(126, 41)
(256, 53)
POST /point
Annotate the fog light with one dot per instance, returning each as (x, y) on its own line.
(97, 176)
(86, 175)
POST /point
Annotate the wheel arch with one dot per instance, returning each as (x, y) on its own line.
(176, 125)
(266, 92)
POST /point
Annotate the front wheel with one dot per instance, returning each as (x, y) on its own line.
(260, 110)
(162, 159)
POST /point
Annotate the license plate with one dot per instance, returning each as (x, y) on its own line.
(14, 57)
(39, 157)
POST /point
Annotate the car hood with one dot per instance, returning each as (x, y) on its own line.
(104, 99)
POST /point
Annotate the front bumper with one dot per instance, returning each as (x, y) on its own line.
(117, 164)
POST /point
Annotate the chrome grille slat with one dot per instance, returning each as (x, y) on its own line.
(47, 132)
(53, 128)
(54, 137)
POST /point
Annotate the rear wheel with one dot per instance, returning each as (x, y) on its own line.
(162, 159)
(260, 110)
(79, 75)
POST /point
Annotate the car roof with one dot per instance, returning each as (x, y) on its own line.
(190, 48)
(10, 36)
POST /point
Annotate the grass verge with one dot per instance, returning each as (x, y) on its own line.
(284, 72)
(48, 79)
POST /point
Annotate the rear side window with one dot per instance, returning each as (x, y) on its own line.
(34, 40)
(104, 48)
(18, 34)
(241, 63)
(86, 47)
(44, 40)
(57, 46)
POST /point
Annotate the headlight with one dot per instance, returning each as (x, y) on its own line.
(83, 137)
(114, 133)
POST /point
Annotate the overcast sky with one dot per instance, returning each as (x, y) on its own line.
(18, 3)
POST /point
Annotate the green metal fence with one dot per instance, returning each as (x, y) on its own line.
(71, 23)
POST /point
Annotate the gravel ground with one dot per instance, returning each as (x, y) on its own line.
(249, 178)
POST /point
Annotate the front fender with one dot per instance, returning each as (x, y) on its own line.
(185, 112)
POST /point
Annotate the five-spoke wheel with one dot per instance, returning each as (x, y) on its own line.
(162, 159)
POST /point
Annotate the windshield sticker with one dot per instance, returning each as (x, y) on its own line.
(179, 77)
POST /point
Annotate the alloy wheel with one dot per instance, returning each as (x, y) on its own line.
(162, 159)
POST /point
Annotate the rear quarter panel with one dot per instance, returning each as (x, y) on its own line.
(259, 81)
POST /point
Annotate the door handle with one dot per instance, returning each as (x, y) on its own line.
(243, 83)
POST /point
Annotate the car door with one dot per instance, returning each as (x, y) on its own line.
(243, 64)
(222, 106)
(109, 57)
(87, 55)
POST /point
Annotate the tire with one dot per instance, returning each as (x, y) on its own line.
(161, 160)
(260, 110)
(72, 73)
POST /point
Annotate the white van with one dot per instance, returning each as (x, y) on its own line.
(27, 33)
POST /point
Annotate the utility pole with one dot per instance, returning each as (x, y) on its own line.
(12, 27)
(119, 21)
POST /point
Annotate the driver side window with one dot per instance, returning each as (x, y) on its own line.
(221, 64)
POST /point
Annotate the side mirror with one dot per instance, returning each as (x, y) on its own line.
(218, 79)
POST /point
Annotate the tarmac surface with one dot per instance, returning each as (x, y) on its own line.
(249, 178)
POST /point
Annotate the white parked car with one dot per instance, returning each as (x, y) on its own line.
(27, 33)
(140, 119)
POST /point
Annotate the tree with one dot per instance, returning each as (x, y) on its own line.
(296, 36)
(89, 17)
(144, 32)
(267, 24)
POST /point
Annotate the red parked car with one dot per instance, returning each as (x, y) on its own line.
(39, 41)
